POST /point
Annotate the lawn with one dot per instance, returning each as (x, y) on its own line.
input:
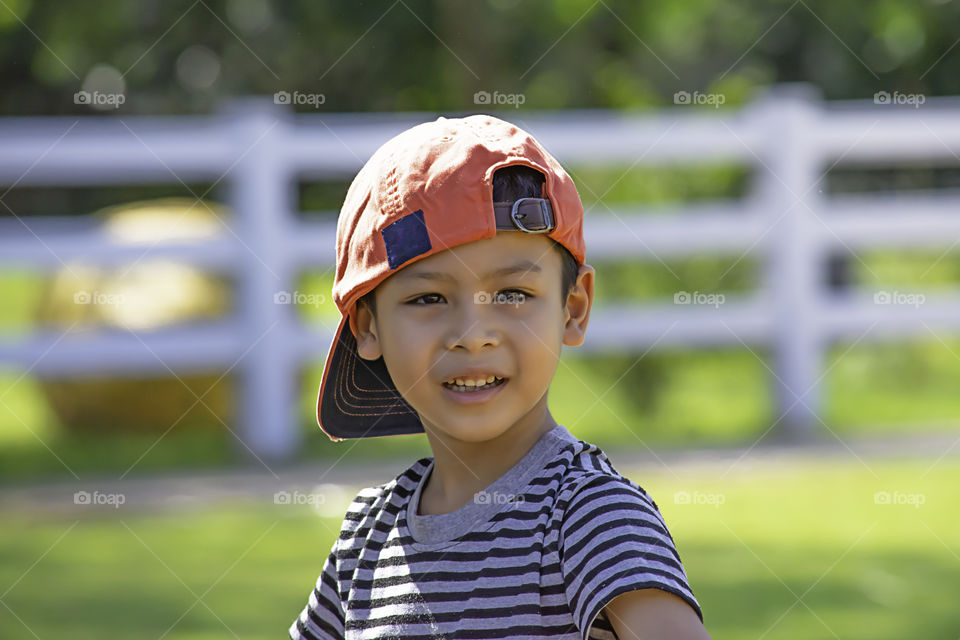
(773, 551)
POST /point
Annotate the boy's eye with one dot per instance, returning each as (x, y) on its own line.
(426, 295)
(434, 296)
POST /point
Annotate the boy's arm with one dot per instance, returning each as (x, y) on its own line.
(654, 614)
(613, 541)
(322, 617)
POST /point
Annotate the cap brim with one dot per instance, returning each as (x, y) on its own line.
(357, 397)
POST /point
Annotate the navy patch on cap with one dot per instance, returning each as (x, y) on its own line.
(406, 238)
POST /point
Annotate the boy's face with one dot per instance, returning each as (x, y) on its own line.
(431, 328)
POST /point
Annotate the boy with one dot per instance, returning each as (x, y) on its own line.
(460, 273)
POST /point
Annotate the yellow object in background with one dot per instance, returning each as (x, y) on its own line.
(148, 295)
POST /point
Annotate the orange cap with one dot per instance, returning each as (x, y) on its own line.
(426, 190)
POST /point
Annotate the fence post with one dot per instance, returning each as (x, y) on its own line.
(261, 186)
(790, 194)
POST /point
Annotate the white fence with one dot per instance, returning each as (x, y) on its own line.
(258, 151)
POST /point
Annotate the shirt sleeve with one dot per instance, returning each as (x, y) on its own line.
(613, 541)
(322, 618)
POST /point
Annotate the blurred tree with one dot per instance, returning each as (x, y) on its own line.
(413, 55)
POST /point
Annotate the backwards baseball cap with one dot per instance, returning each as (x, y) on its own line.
(424, 191)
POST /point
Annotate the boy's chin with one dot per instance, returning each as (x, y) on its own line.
(475, 431)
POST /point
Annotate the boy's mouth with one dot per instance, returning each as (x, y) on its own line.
(473, 385)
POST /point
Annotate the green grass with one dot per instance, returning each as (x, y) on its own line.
(815, 531)
(809, 529)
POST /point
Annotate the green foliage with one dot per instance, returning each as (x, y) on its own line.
(371, 56)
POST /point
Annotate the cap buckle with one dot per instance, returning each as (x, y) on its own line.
(515, 215)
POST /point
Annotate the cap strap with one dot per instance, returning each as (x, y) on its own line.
(532, 215)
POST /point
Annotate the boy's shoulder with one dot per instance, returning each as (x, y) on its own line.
(576, 466)
(388, 496)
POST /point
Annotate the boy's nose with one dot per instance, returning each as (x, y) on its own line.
(473, 328)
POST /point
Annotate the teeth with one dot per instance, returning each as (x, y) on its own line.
(470, 382)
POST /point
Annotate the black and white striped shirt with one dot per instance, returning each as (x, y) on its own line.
(539, 553)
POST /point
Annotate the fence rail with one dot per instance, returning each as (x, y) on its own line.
(257, 151)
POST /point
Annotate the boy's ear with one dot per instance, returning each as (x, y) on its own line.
(368, 341)
(576, 313)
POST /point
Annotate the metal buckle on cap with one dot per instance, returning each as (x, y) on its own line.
(515, 215)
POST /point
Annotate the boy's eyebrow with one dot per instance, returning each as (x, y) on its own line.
(520, 267)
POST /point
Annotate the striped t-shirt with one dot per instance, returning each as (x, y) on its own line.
(539, 553)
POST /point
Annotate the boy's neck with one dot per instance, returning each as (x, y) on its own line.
(452, 483)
